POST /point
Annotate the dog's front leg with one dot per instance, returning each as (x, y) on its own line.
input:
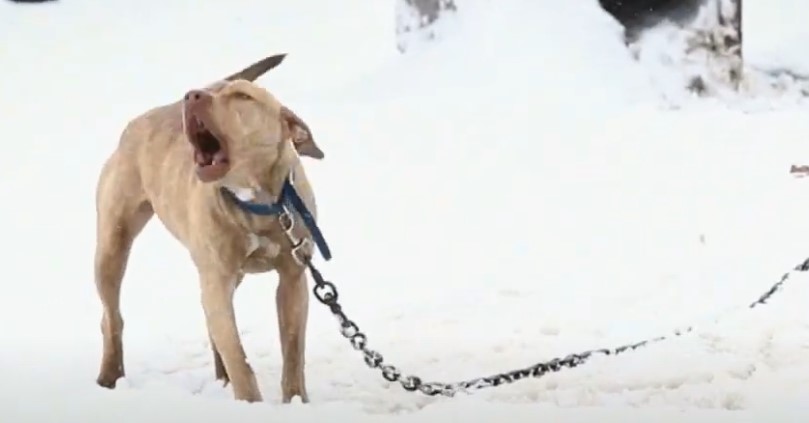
(219, 366)
(217, 300)
(292, 305)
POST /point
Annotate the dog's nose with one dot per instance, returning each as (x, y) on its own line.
(196, 96)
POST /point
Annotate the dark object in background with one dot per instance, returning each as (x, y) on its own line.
(429, 10)
(637, 15)
(725, 40)
(31, 1)
(418, 16)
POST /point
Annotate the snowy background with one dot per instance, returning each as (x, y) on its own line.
(521, 188)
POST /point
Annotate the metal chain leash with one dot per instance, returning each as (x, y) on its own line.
(326, 293)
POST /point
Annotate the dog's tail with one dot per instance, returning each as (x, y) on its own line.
(254, 71)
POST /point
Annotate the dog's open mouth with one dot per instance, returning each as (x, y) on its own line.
(210, 151)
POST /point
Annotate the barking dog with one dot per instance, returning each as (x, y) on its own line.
(173, 161)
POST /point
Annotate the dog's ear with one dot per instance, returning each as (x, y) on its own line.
(254, 71)
(299, 133)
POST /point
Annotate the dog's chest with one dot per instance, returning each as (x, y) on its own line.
(261, 250)
(261, 253)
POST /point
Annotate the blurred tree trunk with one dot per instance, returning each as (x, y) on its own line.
(733, 18)
(730, 19)
(415, 19)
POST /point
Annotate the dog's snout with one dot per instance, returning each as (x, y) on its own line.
(196, 96)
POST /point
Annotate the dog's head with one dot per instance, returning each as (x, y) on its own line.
(236, 127)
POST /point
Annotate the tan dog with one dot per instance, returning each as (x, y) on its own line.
(173, 161)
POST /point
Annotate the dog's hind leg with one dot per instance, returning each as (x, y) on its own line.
(219, 366)
(121, 215)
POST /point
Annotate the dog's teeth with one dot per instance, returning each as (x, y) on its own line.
(219, 157)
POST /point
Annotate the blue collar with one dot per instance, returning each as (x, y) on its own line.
(290, 200)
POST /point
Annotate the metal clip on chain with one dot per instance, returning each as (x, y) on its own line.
(287, 223)
(326, 293)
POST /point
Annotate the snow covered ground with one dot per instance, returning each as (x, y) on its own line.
(518, 191)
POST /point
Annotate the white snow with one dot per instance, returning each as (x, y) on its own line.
(520, 190)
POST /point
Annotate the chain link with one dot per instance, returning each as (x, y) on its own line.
(326, 293)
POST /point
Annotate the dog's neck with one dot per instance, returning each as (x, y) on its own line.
(266, 188)
(258, 192)
(251, 194)
(267, 182)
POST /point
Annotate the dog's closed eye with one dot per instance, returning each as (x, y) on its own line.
(241, 96)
